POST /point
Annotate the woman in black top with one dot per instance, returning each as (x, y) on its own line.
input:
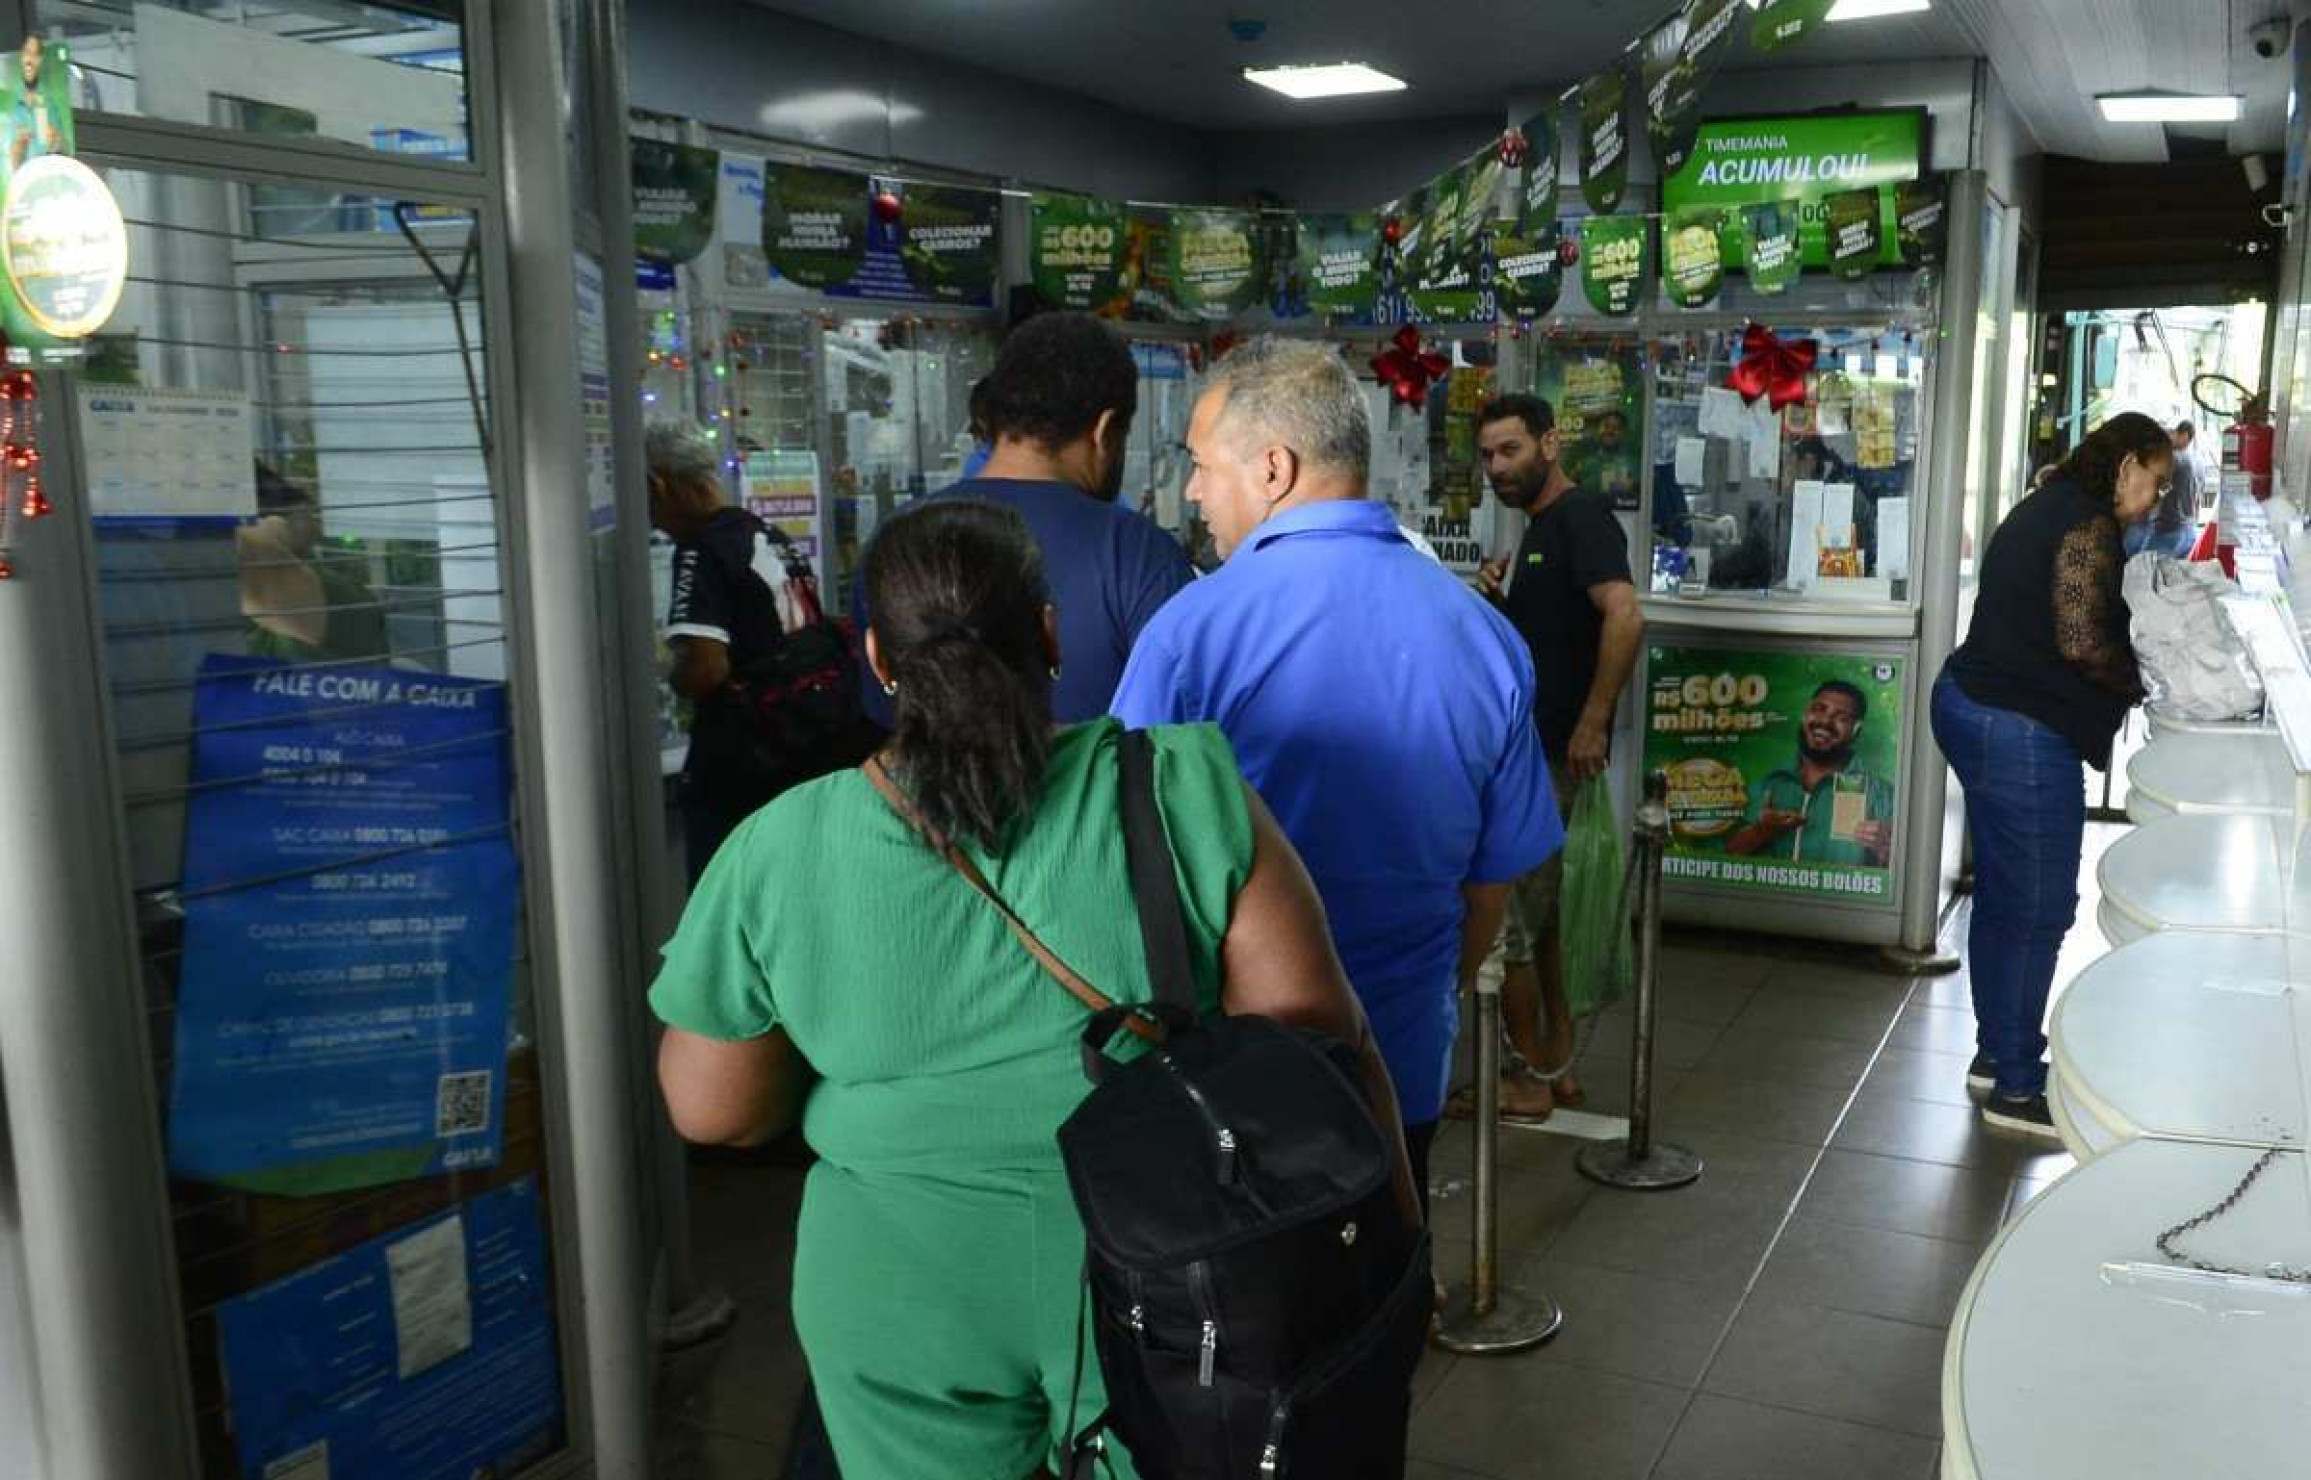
(2041, 683)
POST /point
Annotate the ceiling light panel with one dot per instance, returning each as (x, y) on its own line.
(1329, 80)
(2150, 107)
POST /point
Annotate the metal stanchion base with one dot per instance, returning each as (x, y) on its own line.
(1664, 1167)
(1514, 1323)
(1905, 962)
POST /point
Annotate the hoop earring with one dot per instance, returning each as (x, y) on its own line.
(890, 686)
(1055, 672)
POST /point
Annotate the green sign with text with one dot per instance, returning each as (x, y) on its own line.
(1805, 160)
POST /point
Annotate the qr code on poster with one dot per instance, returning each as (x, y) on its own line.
(461, 1103)
(309, 1463)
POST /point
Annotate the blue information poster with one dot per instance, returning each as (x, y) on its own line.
(349, 898)
(427, 1354)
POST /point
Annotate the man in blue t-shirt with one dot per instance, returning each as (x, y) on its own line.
(1057, 408)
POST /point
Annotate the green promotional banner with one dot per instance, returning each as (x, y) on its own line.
(674, 194)
(1450, 291)
(1693, 260)
(1440, 212)
(1528, 275)
(63, 240)
(1484, 194)
(1856, 234)
(1075, 250)
(1597, 390)
(1786, 22)
(1216, 271)
(1614, 265)
(1537, 190)
(1672, 82)
(1708, 27)
(1921, 217)
(1339, 258)
(947, 239)
(814, 224)
(1805, 160)
(1784, 768)
(1771, 256)
(1605, 139)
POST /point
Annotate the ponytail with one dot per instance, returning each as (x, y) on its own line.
(957, 599)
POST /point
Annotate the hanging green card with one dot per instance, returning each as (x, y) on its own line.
(1672, 83)
(1708, 27)
(1605, 139)
(1856, 234)
(1786, 22)
(1483, 197)
(1216, 272)
(1773, 256)
(1440, 222)
(1922, 218)
(814, 224)
(1075, 249)
(1693, 260)
(947, 241)
(674, 191)
(1614, 269)
(1340, 264)
(1528, 273)
(1537, 190)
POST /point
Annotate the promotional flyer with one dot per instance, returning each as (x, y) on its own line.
(1339, 266)
(1075, 249)
(1604, 113)
(674, 199)
(814, 224)
(1784, 768)
(1616, 262)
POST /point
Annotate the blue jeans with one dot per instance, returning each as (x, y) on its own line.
(2026, 809)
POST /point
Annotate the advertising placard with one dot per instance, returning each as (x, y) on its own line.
(938, 248)
(63, 242)
(1693, 262)
(349, 897)
(1604, 108)
(1615, 265)
(1597, 391)
(814, 224)
(674, 199)
(1921, 216)
(1672, 82)
(1784, 768)
(1856, 234)
(1075, 248)
(1537, 189)
(426, 1354)
(1216, 271)
(1803, 159)
(1771, 256)
(1340, 265)
(1528, 274)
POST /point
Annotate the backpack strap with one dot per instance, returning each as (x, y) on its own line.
(1155, 882)
(1103, 1008)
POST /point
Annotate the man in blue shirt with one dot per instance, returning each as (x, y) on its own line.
(1058, 408)
(1383, 712)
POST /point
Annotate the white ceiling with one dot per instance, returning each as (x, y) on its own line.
(1176, 59)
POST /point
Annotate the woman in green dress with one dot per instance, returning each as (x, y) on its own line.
(833, 966)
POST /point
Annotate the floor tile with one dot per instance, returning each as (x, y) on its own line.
(1869, 1271)
(1859, 978)
(1643, 1326)
(1863, 1369)
(1699, 963)
(1935, 1030)
(1727, 1439)
(1906, 1196)
(686, 1452)
(1515, 1418)
(744, 1384)
(1923, 1131)
(1678, 1043)
(1703, 997)
(1436, 1365)
(1916, 1074)
(1953, 990)
(1539, 1195)
(1421, 1469)
(1775, 1109)
(1703, 1234)
(1848, 1019)
(1763, 1052)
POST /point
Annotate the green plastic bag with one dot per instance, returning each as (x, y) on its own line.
(1593, 909)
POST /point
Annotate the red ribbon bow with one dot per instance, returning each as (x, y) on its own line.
(1406, 369)
(1773, 368)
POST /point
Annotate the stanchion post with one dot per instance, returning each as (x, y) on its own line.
(1636, 1162)
(1480, 1318)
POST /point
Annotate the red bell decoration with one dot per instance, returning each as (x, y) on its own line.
(1392, 231)
(1773, 368)
(888, 206)
(1568, 253)
(1406, 369)
(20, 443)
(1515, 149)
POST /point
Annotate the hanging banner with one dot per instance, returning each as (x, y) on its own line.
(743, 192)
(1075, 247)
(1597, 390)
(1614, 266)
(1921, 218)
(1451, 290)
(1672, 84)
(1215, 267)
(1143, 282)
(814, 224)
(1771, 255)
(1277, 239)
(674, 199)
(1856, 236)
(1708, 27)
(1528, 273)
(427, 1354)
(1486, 194)
(1783, 768)
(349, 896)
(1537, 188)
(927, 244)
(1439, 242)
(1605, 139)
(1339, 265)
(63, 241)
(1804, 160)
(1786, 22)
(1693, 259)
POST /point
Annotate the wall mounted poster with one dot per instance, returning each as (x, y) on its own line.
(1614, 262)
(1597, 390)
(674, 199)
(1693, 263)
(1857, 241)
(1339, 265)
(939, 248)
(1772, 257)
(349, 897)
(426, 1354)
(1784, 768)
(1075, 248)
(1605, 139)
(1216, 271)
(1803, 160)
(814, 224)
(1528, 275)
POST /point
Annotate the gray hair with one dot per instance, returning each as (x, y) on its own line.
(679, 453)
(1300, 393)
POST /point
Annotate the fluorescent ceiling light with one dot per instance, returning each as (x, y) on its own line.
(2153, 107)
(1870, 10)
(1330, 80)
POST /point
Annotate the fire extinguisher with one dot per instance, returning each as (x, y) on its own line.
(2247, 444)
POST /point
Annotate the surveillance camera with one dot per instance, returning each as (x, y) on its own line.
(2270, 37)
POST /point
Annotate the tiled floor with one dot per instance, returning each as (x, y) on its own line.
(1781, 1319)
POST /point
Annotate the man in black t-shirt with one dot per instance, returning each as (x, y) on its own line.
(1568, 592)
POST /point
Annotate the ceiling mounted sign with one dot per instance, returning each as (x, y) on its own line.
(1802, 159)
(814, 224)
(1605, 139)
(1786, 22)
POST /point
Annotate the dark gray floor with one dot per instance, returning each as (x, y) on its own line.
(1782, 1319)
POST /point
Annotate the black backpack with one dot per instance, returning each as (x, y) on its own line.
(1260, 1302)
(800, 701)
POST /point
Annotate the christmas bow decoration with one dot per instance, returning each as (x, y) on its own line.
(1406, 369)
(1773, 368)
